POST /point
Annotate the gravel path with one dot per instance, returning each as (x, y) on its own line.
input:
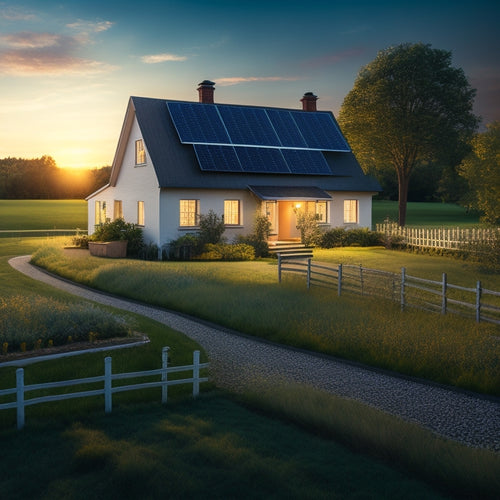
(234, 358)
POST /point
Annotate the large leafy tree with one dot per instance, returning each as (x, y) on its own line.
(409, 107)
(482, 170)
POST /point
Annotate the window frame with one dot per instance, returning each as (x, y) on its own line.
(319, 213)
(190, 215)
(351, 216)
(141, 217)
(117, 209)
(232, 212)
(140, 152)
(100, 212)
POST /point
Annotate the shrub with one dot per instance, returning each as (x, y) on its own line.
(211, 228)
(340, 237)
(308, 224)
(183, 248)
(81, 241)
(120, 230)
(224, 251)
(258, 239)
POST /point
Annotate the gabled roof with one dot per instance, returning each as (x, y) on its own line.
(177, 165)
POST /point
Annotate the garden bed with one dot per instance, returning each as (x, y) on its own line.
(110, 249)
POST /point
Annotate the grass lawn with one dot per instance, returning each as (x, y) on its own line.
(425, 214)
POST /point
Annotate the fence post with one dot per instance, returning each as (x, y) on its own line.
(164, 376)
(403, 278)
(196, 373)
(444, 300)
(20, 397)
(478, 301)
(339, 279)
(361, 278)
(108, 396)
(279, 268)
(308, 273)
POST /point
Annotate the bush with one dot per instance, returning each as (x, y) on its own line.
(308, 224)
(258, 239)
(81, 241)
(118, 230)
(224, 251)
(183, 248)
(340, 237)
(211, 228)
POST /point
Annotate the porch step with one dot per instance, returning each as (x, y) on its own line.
(290, 250)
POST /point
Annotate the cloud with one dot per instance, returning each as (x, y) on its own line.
(90, 26)
(11, 13)
(159, 58)
(235, 80)
(35, 54)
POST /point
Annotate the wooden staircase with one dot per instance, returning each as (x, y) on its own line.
(290, 250)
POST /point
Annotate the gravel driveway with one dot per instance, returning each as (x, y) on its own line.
(234, 358)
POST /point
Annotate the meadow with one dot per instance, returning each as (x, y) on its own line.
(314, 444)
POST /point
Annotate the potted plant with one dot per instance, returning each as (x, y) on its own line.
(115, 239)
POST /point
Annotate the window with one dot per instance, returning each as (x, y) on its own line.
(189, 212)
(140, 213)
(322, 211)
(100, 212)
(232, 212)
(351, 211)
(118, 209)
(140, 153)
(271, 214)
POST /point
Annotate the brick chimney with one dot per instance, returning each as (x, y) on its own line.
(206, 91)
(309, 102)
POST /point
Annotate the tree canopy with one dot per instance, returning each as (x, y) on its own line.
(481, 168)
(41, 178)
(409, 107)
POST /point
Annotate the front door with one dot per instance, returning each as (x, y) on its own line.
(287, 221)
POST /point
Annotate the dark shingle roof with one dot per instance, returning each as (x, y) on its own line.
(176, 164)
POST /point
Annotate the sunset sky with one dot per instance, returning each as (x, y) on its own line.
(67, 68)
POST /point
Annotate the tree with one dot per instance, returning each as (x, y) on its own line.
(409, 107)
(482, 171)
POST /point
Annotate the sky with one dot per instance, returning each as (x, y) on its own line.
(67, 68)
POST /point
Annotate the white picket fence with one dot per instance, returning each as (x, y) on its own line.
(446, 238)
(410, 291)
(108, 388)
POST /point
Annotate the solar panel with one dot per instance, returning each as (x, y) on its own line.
(217, 158)
(198, 123)
(320, 131)
(263, 160)
(248, 126)
(286, 128)
(303, 161)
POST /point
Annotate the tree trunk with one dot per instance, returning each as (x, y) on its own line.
(403, 182)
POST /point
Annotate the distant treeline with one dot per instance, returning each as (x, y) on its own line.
(41, 178)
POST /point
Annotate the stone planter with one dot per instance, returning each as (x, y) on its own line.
(111, 249)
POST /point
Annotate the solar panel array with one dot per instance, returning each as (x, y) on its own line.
(261, 140)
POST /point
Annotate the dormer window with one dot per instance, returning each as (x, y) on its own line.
(140, 153)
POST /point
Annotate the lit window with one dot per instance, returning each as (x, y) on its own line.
(140, 153)
(322, 211)
(232, 212)
(140, 213)
(351, 211)
(118, 209)
(189, 212)
(271, 214)
(100, 212)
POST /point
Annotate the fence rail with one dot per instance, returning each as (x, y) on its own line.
(410, 291)
(107, 380)
(447, 238)
(24, 233)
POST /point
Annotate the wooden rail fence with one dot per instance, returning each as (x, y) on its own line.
(410, 291)
(108, 388)
(447, 238)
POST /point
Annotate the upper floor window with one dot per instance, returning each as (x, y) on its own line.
(189, 212)
(140, 152)
(118, 209)
(140, 213)
(351, 209)
(232, 212)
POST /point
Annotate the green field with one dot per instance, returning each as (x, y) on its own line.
(42, 214)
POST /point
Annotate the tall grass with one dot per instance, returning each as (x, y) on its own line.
(246, 297)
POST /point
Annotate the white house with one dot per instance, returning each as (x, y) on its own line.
(176, 160)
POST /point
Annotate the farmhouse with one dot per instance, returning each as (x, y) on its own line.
(176, 160)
